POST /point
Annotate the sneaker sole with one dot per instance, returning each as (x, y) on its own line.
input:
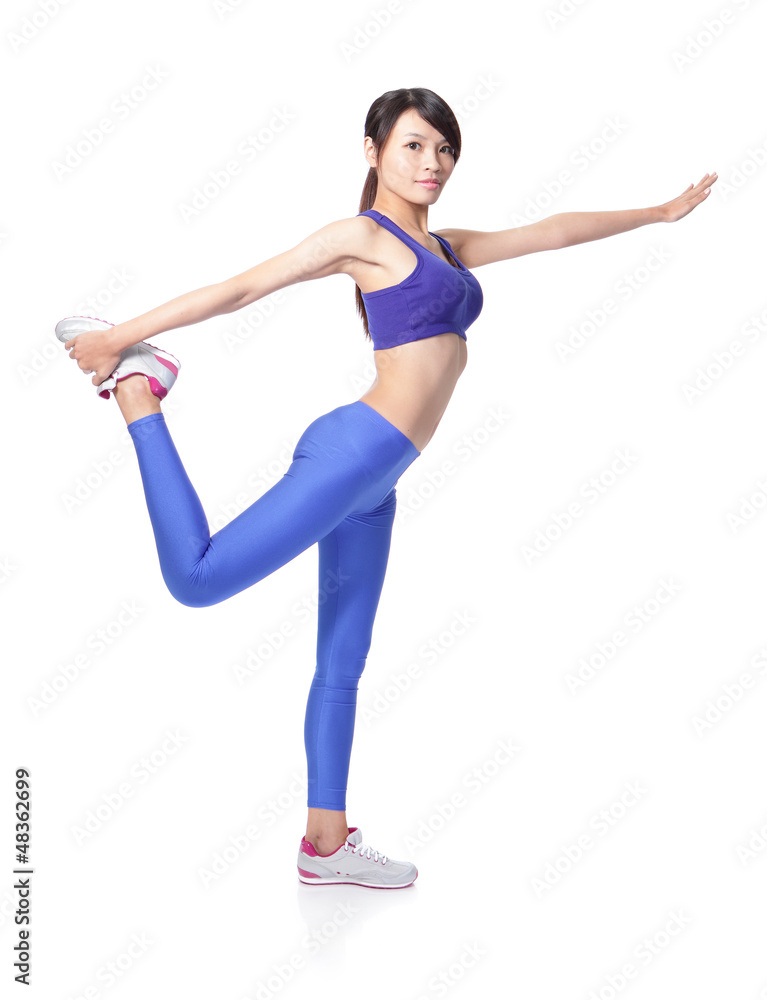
(64, 334)
(319, 880)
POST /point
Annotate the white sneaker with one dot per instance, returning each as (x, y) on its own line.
(158, 366)
(354, 863)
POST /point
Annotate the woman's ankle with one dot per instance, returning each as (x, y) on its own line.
(327, 844)
(326, 829)
(135, 398)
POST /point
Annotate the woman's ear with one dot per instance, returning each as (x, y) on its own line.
(370, 152)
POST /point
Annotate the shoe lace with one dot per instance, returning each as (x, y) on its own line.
(365, 852)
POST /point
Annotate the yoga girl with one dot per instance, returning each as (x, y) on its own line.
(417, 297)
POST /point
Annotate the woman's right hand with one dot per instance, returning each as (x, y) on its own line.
(95, 352)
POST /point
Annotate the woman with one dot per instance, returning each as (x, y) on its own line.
(417, 297)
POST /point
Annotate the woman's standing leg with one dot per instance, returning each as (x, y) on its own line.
(352, 566)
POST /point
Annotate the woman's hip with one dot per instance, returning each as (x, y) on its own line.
(355, 436)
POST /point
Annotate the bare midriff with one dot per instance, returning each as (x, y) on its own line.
(414, 383)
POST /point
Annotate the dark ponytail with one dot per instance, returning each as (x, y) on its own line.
(380, 121)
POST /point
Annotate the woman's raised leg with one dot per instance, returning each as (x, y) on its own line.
(339, 466)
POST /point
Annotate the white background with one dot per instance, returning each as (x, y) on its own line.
(498, 909)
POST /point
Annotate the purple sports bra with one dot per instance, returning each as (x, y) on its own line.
(434, 298)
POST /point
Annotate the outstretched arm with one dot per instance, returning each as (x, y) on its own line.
(582, 227)
(569, 228)
(324, 252)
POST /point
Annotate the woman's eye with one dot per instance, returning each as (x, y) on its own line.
(448, 148)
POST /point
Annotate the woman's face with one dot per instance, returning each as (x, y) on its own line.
(413, 153)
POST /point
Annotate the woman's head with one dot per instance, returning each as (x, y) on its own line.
(410, 134)
(398, 159)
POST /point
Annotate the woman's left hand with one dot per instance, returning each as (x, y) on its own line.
(678, 207)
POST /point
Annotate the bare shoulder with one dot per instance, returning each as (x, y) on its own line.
(360, 234)
(336, 248)
(475, 248)
(346, 242)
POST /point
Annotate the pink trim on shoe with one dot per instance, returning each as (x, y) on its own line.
(157, 389)
(308, 848)
(167, 364)
(308, 874)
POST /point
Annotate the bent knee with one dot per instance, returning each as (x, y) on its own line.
(192, 594)
(194, 600)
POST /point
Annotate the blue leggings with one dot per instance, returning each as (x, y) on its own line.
(339, 491)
